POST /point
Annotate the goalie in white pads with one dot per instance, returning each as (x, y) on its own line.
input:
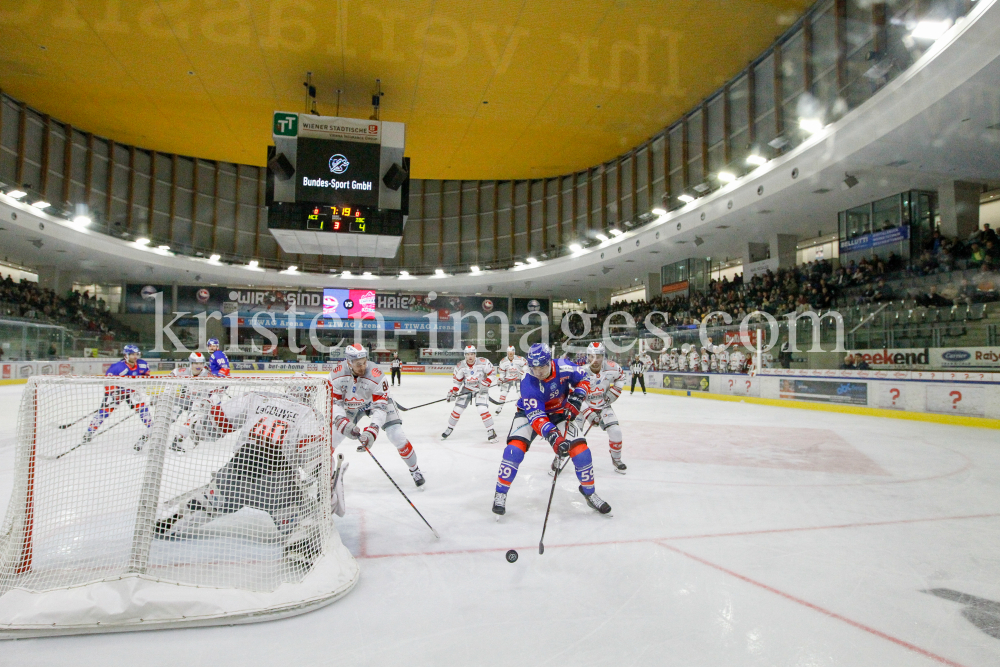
(474, 376)
(360, 388)
(605, 379)
(276, 469)
(509, 372)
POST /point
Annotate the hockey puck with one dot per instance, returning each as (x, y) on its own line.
(511, 556)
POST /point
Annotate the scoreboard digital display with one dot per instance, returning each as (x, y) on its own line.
(345, 219)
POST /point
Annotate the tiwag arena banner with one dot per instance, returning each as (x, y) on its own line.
(987, 358)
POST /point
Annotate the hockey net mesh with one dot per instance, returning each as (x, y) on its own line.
(242, 500)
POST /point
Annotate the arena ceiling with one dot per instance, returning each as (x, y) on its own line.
(489, 90)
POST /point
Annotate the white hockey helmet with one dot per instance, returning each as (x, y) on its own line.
(469, 349)
(511, 349)
(354, 352)
(595, 348)
(196, 358)
(302, 393)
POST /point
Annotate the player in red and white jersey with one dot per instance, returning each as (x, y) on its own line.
(474, 376)
(605, 379)
(189, 398)
(510, 370)
(276, 467)
(360, 389)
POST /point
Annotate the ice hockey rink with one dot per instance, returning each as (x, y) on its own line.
(742, 534)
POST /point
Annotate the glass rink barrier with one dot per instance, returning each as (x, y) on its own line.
(167, 502)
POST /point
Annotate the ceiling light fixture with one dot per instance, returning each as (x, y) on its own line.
(41, 205)
(17, 194)
(931, 30)
(253, 264)
(142, 241)
(601, 237)
(756, 160)
(82, 220)
(404, 274)
(215, 258)
(616, 232)
(474, 269)
(439, 273)
(575, 247)
(532, 260)
(726, 176)
(345, 274)
(366, 274)
(163, 247)
(687, 199)
(659, 211)
(810, 125)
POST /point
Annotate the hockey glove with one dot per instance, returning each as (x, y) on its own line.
(367, 437)
(559, 444)
(345, 426)
(573, 405)
(453, 394)
(611, 394)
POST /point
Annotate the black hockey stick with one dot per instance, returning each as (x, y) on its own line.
(107, 430)
(447, 398)
(401, 493)
(63, 427)
(541, 540)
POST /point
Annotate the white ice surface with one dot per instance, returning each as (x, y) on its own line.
(741, 535)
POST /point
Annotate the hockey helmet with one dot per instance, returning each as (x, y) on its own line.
(539, 356)
(196, 358)
(354, 352)
(130, 349)
(469, 349)
(301, 392)
(213, 341)
(595, 348)
(511, 349)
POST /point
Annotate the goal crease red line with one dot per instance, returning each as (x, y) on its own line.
(446, 552)
(814, 607)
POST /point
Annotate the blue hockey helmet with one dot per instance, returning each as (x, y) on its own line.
(213, 341)
(539, 355)
(130, 349)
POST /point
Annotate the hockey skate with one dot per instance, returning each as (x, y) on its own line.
(596, 503)
(418, 478)
(303, 545)
(499, 504)
(447, 432)
(141, 442)
(498, 410)
(491, 435)
(620, 467)
(180, 525)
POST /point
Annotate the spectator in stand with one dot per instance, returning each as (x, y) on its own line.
(860, 364)
(848, 364)
(932, 299)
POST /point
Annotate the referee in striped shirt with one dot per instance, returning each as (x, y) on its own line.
(637, 369)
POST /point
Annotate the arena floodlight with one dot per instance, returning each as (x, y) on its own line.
(17, 194)
(404, 274)
(601, 237)
(474, 269)
(810, 125)
(163, 247)
(82, 220)
(215, 258)
(616, 232)
(41, 205)
(756, 160)
(575, 247)
(532, 260)
(366, 274)
(518, 264)
(726, 176)
(142, 241)
(659, 211)
(931, 30)
(253, 264)
(687, 199)
(439, 273)
(345, 274)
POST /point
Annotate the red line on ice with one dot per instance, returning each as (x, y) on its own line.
(814, 607)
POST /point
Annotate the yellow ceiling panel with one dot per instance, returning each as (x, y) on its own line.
(566, 85)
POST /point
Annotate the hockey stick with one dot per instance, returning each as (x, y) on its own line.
(552, 491)
(78, 446)
(400, 407)
(63, 427)
(401, 493)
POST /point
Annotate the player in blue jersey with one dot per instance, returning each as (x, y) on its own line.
(551, 396)
(131, 366)
(218, 362)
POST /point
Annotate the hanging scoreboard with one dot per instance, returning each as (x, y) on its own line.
(330, 176)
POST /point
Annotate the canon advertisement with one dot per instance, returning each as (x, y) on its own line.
(337, 172)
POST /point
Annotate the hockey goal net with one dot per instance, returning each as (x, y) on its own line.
(165, 502)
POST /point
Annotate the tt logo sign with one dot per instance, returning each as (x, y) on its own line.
(286, 124)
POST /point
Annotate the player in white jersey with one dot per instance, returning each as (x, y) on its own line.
(682, 359)
(276, 468)
(694, 359)
(606, 380)
(474, 376)
(358, 389)
(713, 361)
(705, 359)
(736, 361)
(723, 354)
(189, 397)
(647, 362)
(510, 370)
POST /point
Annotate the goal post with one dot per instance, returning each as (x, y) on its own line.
(169, 502)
